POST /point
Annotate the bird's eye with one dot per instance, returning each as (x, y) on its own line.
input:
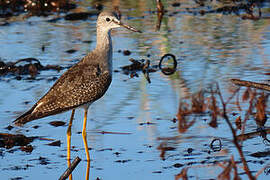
(108, 19)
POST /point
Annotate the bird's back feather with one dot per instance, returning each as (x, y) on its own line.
(82, 84)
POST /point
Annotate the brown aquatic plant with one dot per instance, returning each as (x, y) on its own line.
(182, 174)
(260, 116)
(163, 147)
(254, 100)
(235, 140)
(214, 110)
(248, 112)
(198, 104)
(226, 173)
(236, 177)
(183, 124)
(160, 13)
(238, 122)
(246, 94)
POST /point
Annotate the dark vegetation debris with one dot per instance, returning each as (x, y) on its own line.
(27, 66)
(10, 140)
(136, 65)
(123, 161)
(27, 148)
(167, 65)
(36, 126)
(98, 6)
(139, 65)
(178, 165)
(126, 52)
(10, 8)
(43, 161)
(71, 51)
(117, 153)
(17, 168)
(244, 9)
(260, 154)
(157, 172)
(176, 4)
(189, 150)
(16, 178)
(146, 123)
(57, 123)
(55, 143)
(105, 149)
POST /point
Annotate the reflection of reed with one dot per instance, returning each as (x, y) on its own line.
(212, 103)
(183, 124)
(160, 13)
(145, 106)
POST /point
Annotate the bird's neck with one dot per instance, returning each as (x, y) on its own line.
(104, 48)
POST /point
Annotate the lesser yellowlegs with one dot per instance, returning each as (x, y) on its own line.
(83, 83)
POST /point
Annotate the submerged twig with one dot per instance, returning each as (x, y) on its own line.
(69, 170)
(182, 174)
(243, 137)
(249, 111)
(251, 84)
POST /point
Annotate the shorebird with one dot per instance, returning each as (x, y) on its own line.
(83, 83)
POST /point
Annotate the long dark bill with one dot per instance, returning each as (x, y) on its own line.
(127, 26)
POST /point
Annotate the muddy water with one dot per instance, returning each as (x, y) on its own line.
(139, 117)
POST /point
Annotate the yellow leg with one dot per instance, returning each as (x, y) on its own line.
(87, 170)
(69, 140)
(85, 144)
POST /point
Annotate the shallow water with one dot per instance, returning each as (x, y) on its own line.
(209, 49)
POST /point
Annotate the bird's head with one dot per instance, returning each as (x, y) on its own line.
(110, 20)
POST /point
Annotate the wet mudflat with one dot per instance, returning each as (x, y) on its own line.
(152, 123)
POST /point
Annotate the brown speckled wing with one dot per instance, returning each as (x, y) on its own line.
(81, 84)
